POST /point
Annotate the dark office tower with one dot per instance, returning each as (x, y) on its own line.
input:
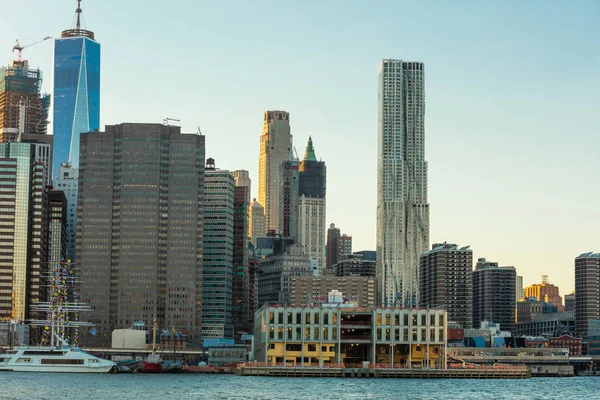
(355, 265)
(288, 197)
(253, 290)
(587, 291)
(57, 226)
(570, 302)
(445, 281)
(76, 91)
(311, 206)
(217, 297)
(494, 294)
(140, 227)
(333, 236)
(338, 247)
(240, 292)
(23, 230)
(23, 109)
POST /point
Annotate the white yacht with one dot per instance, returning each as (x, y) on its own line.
(58, 355)
(52, 359)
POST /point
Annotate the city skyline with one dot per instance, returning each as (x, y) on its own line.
(530, 104)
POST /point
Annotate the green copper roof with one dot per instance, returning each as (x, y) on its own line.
(309, 154)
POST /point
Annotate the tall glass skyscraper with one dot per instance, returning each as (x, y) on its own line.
(24, 236)
(76, 93)
(217, 268)
(402, 208)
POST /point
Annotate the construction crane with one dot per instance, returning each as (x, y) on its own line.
(20, 48)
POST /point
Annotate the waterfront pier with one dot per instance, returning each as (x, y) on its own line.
(375, 371)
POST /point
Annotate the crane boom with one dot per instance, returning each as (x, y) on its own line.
(20, 48)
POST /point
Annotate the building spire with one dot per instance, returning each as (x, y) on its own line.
(77, 31)
(309, 154)
(78, 11)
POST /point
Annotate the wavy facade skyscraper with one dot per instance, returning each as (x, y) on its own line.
(76, 93)
(402, 208)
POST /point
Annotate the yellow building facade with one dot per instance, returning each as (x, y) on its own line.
(326, 335)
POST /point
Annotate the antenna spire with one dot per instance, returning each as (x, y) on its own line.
(78, 11)
(77, 31)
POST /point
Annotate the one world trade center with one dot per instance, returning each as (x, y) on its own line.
(76, 91)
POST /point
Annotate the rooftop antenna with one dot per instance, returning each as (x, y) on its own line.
(78, 32)
(199, 132)
(78, 11)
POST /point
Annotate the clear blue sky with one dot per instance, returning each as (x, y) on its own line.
(512, 95)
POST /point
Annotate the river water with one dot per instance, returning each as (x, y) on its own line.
(15, 385)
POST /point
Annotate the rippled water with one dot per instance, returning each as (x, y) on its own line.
(139, 386)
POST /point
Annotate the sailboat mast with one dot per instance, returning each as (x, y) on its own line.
(174, 356)
(154, 337)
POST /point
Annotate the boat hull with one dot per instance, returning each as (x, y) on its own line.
(57, 368)
(151, 368)
(53, 359)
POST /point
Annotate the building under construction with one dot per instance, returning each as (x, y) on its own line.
(23, 109)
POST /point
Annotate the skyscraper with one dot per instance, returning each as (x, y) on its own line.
(67, 181)
(520, 291)
(344, 246)
(76, 95)
(494, 294)
(275, 146)
(23, 109)
(288, 197)
(256, 221)
(402, 208)
(24, 230)
(242, 178)
(240, 284)
(338, 247)
(311, 206)
(587, 291)
(445, 281)
(333, 235)
(217, 277)
(140, 227)
(57, 226)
